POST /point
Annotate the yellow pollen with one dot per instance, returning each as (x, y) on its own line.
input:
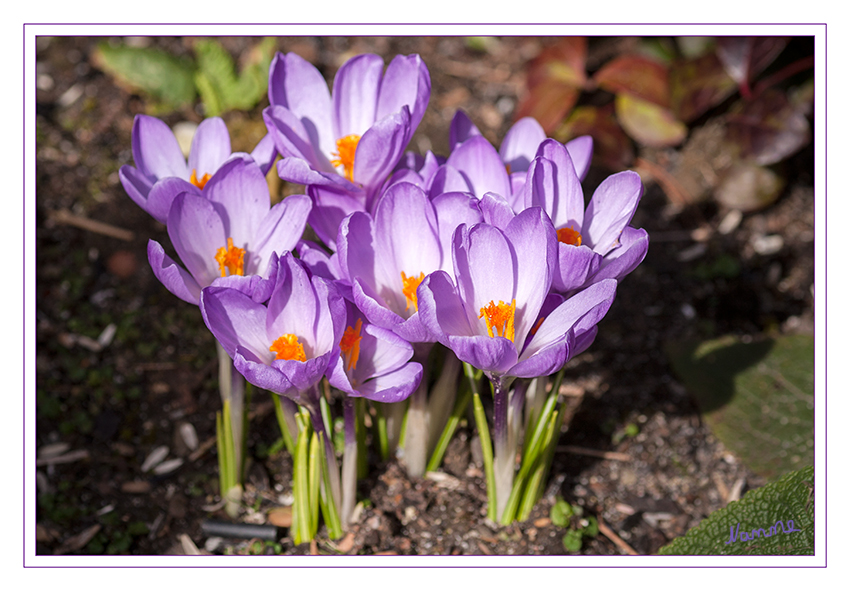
(408, 288)
(350, 345)
(287, 347)
(199, 183)
(230, 259)
(569, 236)
(345, 149)
(501, 317)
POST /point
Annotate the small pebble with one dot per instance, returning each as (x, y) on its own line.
(155, 457)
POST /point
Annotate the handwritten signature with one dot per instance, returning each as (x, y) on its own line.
(777, 528)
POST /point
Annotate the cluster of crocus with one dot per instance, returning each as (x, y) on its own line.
(485, 258)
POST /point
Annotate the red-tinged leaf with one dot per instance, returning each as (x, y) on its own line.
(555, 79)
(769, 129)
(635, 75)
(549, 104)
(611, 146)
(696, 85)
(563, 62)
(647, 123)
(744, 58)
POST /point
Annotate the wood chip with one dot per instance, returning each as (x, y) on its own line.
(168, 466)
(52, 450)
(155, 457)
(280, 516)
(77, 542)
(136, 487)
(71, 456)
(618, 541)
(314, 547)
(63, 216)
(189, 547)
(346, 544)
(484, 548)
(542, 522)
(605, 455)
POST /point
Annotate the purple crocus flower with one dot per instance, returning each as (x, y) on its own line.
(475, 166)
(374, 362)
(385, 258)
(594, 243)
(490, 314)
(227, 232)
(343, 145)
(288, 346)
(158, 156)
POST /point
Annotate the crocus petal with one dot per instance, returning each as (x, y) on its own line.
(579, 313)
(293, 138)
(263, 375)
(576, 265)
(478, 161)
(581, 153)
(383, 351)
(448, 179)
(210, 147)
(379, 150)
(406, 82)
(155, 149)
(137, 186)
(293, 306)
(520, 144)
(236, 321)
(241, 195)
(171, 275)
(454, 209)
(296, 84)
(441, 310)
(496, 211)
(626, 257)
(534, 244)
(303, 375)
(355, 95)
(281, 228)
(491, 354)
(162, 195)
(461, 129)
(394, 386)
(318, 261)
(611, 209)
(357, 248)
(298, 171)
(547, 360)
(264, 153)
(197, 232)
(552, 184)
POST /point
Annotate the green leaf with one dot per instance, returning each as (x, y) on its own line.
(560, 513)
(776, 519)
(220, 87)
(757, 397)
(572, 540)
(611, 146)
(166, 78)
(698, 84)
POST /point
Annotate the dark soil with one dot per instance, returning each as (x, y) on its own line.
(118, 403)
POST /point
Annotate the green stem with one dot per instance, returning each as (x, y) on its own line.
(484, 436)
(459, 410)
(283, 424)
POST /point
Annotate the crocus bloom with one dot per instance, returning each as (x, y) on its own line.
(227, 232)
(288, 346)
(385, 258)
(349, 142)
(373, 362)
(475, 166)
(157, 156)
(596, 243)
(502, 278)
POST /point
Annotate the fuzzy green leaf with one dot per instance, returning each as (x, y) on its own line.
(757, 397)
(166, 78)
(220, 87)
(752, 525)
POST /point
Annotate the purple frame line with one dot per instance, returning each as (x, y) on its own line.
(825, 279)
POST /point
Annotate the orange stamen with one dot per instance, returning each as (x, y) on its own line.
(569, 236)
(199, 183)
(230, 259)
(345, 149)
(350, 345)
(537, 327)
(501, 317)
(287, 347)
(409, 286)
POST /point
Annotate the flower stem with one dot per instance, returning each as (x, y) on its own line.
(349, 462)
(484, 436)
